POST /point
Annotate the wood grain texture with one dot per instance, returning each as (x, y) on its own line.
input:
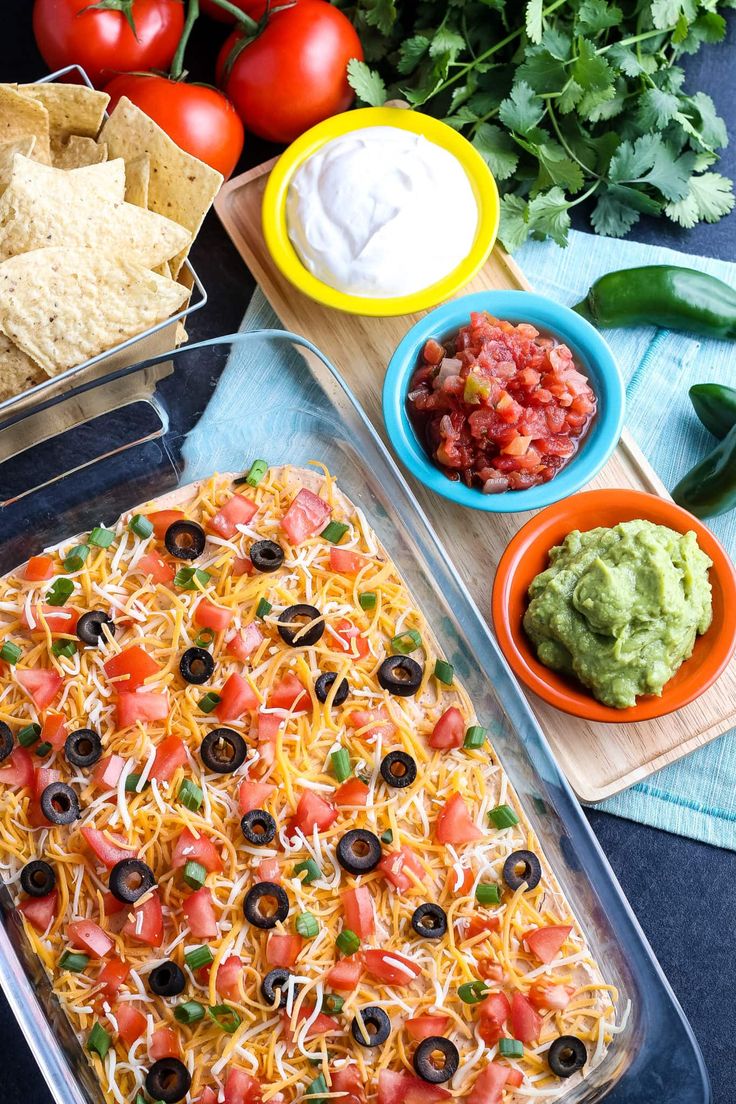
(598, 759)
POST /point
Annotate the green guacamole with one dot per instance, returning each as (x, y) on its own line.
(620, 608)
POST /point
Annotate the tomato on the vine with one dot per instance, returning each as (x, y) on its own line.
(293, 74)
(102, 40)
(199, 119)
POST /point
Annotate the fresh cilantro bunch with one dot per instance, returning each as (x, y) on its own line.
(566, 101)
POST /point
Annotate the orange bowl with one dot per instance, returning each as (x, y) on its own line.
(527, 555)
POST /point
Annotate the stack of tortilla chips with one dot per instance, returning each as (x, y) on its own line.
(96, 219)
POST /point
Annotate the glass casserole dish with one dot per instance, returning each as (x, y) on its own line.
(53, 486)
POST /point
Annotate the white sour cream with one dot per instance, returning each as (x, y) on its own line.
(381, 212)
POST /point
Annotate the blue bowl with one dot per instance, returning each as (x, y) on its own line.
(591, 353)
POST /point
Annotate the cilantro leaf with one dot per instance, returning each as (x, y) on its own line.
(513, 228)
(549, 216)
(497, 150)
(649, 160)
(665, 13)
(656, 108)
(708, 197)
(612, 216)
(542, 71)
(591, 70)
(597, 15)
(411, 52)
(366, 83)
(710, 126)
(446, 42)
(555, 167)
(534, 20)
(381, 14)
(522, 110)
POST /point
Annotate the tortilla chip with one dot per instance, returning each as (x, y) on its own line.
(17, 371)
(62, 306)
(182, 187)
(72, 108)
(21, 117)
(137, 178)
(8, 150)
(53, 185)
(75, 152)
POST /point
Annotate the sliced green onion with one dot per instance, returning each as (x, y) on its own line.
(475, 737)
(340, 760)
(387, 836)
(65, 648)
(28, 735)
(131, 783)
(473, 992)
(199, 957)
(332, 1003)
(503, 816)
(309, 869)
(190, 795)
(306, 924)
(334, 532)
(73, 961)
(263, 608)
(141, 526)
(101, 538)
(488, 894)
(368, 599)
(43, 749)
(209, 702)
(256, 472)
(406, 642)
(187, 578)
(194, 875)
(225, 1017)
(347, 942)
(75, 559)
(204, 638)
(316, 1089)
(189, 1012)
(11, 653)
(99, 1041)
(444, 672)
(510, 1048)
(140, 1099)
(59, 591)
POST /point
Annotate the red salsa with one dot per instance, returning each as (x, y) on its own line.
(500, 407)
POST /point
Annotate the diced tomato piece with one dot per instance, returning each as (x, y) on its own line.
(190, 849)
(421, 1027)
(323, 1025)
(371, 722)
(514, 1079)
(53, 730)
(243, 565)
(200, 914)
(314, 812)
(113, 975)
(243, 644)
(268, 729)
(141, 706)
(455, 824)
(545, 943)
(162, 519)
(111, 906)
(133, 662)
(58, 619)
(449, 732)
(289, 693)
(108, 771)
(107, 849)
(489, 1085)
(348, 1080)
(352, 640)
(40, 911)
(544, 995)
(478, 924)
(237, 697)
(396, 1087)
(345, 974)
(160, 570)
(346, 562)
(229, 973)
(39, 568)
(35, 815)
(238, 510)
(462, 886)
(359, 911)
(41, 684)
(525, 1023)
(208, 1096)
(89, 937)
(210, 616)
(147, 925)
(282, 950)
(17, 770)
(164, 1044)
(241, 1087)
(131, 1023)
(353, 792)
(394, 865)
(254, 795)
(489, 969)
(44, 777)
(390, 967)
(269, 870)
(308, 514)
(170, 755)
(493, 1013)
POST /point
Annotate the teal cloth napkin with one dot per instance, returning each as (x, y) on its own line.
(695, 797)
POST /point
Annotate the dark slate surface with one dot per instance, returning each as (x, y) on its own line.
(681, 891)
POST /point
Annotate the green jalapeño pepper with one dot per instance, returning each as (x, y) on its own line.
(715, 405)
(663, 295)
(709, 488)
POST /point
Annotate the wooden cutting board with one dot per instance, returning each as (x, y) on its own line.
(598, 759)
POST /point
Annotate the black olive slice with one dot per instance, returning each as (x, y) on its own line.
(37, 878)
(167, 980)
(82, 748)
(323, 685)
(358, 851)
(265, 904)
(436, 1059)
(521, 867)
(275, 983)
(196, 665)
(400, 675)
(266, 556)
(223, 750)
(429, 921)
(6, 741)
(291, 626)
(376, 1023)
(185, 540)
(90, 626)
(169, 1080)
(130, 879)
(398, 769)
(60, 804)
(258, 827)
(567, 1055)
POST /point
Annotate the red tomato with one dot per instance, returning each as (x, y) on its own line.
(241, 1088)
(229, 973)
(107, 849)
(200, 914)
(54, 731)
(390, 967)
(162, 519)
(210, 616)
(147, 925)
(493, 1013)
(353, 792)
(237, 697)
(352, 640)
(170, 755)
(358, 910)
(17, 770)
(294, 74)
(131, 1023)
(269, 870)
(108, 771)
(112, 975)
(404, 1088)
(525, 1023)
(478, 924)
(89, 937)
(209, 1096)
(103, 42)
(58, 619)
(545, 943)
(323, 1025)
(514, 1079)
(465, 884)
(190, 849)
(238, 510)
(346, 973)
(449, 732)
(313, 812)
(39, 568)
(282, 950)
(490, 970)
(198, 118)
(489, 1085)
(392, 867)
(308, 514)
(348, 1080)
(243, 565)
(371, 722)
(141, 706)
(254, 795)
(268, 729)
(41, 685)
(242, 644)
(288, 693)
(44, 777)
(111, 906)
(40, 911)
(132, 667)
(164, 1044)
(543, 996)
(346, 562)
(421, 1027)
(157, 567)
(455, 824)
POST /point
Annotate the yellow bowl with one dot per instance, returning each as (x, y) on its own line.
(287, 259)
